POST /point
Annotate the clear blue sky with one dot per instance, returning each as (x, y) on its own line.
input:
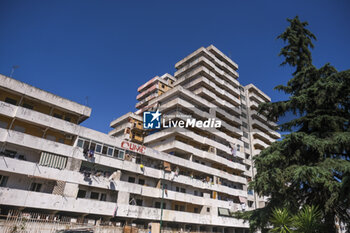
(106, 49)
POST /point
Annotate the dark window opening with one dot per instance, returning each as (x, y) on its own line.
(141, 181)
(25, 105)
(139, 202)
(94, 195)
(11, 101)
(3, 180)
(57, 115)
(131, 179)
(103, 197)
(81, 193)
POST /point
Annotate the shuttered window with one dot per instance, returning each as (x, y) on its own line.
(52, 160)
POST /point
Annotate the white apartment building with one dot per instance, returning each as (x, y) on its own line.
(205, 86)
(52, 165)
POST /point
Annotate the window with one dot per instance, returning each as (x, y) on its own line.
(163, 86)
(131, 179)
(103, 197)
(118, 154)
(93, 146)
(245, 125)
(195, 193)
(176, 207)
(59, 116)
(3, 180)
(238, 147)
(110, 151)
(80, 143)
(19, 129)
(250, 192)
(3, 125)
(51, 138)
(243, 106)
(9, 153)
(196, 210)
(242, 97)
(246, 145)
(208, 209)
(245, 134)
(35, 187)
(61, 140)
(98, 148)
(183, 190)
(250, 204)
(121, 154)
(94, 195)
(86, 144)
(81, 194)
(141, 181)
(10, 101)
(182, 208)
(25, 105)
(244, 115)
(139, 202)
(104, 150)
(157, 205)
(67, 118)
(177, 189)
(247, 156)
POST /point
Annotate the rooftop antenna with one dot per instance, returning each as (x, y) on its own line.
(13, 70)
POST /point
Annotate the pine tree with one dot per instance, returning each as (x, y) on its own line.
(311, 165)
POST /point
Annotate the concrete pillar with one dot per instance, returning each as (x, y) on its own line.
(71, 190)
(73, 164)
(123, 198)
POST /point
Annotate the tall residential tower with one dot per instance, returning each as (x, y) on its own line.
(50, 164)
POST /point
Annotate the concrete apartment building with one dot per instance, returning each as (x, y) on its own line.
(53, 165)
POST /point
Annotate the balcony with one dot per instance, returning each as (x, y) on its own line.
(30, 168)
(193, 136)
(40, 144)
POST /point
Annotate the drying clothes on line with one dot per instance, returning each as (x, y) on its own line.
(91, 153)
(233, 149)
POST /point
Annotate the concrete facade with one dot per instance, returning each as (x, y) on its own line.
(206, 86)
(49, 163)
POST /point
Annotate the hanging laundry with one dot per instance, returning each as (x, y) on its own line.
(233, 149)
(177, 170)
(91, 153)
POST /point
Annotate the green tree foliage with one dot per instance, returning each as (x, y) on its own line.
(311, 165)
(281, 221)
(307, 220)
